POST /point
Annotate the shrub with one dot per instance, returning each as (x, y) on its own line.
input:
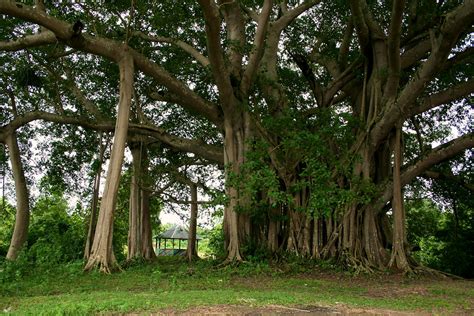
(55, 236)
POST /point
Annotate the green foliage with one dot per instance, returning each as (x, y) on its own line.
(27, 76)
(7, 220)
(255, 252)
(55, 236)
(216, 241)
(71, 150)
(309, 162)
(423, 219)
(445, 242)
(14, 271)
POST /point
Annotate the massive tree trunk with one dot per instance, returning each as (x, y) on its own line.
(135, 210)
(399, 256)
(237, 228)
(95, 201)
(22, 218)
(102, 255)
(191, 251)
(233, 158)
(147, 234)
(140, 242)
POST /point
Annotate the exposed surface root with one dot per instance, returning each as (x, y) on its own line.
(357, 265)
(231, 262)
(422, 270)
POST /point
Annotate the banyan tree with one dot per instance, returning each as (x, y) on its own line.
(326, 110)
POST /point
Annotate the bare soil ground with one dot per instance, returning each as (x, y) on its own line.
(285, 311)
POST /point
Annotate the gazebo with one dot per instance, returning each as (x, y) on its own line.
(174, 233)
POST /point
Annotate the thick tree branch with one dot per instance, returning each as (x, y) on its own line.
(451, 177)
(252, 15)
(327, 62)
(274, 93)
(187, 98)
(235, 34)
(215, 52)
(197, 147)
(29, 41)
(340, 82)
(324, 97)
(345, 44)
(457, 92)
(360, 24)
(415, 53)
(394, 49)
(461, 57)
(308, 74)
(284, 6)
(258, 48)
(209, 152)
(193, 52)
(290, 15)
(435, 156)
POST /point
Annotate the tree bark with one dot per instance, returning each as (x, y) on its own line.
(191, 251)
(22, 218)
(273, 225)
(95, 202)
(135, 210)
(233, 157)
(148, 252)
(398, 258)
(102, 256)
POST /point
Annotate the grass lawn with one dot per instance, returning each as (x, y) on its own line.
(170, 285)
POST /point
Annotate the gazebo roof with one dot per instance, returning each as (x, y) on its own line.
(176, 232)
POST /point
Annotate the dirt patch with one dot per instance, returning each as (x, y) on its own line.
(394, 292)
(278, 310)
(253, 311)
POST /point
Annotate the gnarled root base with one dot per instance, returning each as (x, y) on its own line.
(235, 261)
(362, 265)
(229, 262)
(233, 253)
(102, 265)
(357, 265)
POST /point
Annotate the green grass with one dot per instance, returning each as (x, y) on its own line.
(171, 283)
